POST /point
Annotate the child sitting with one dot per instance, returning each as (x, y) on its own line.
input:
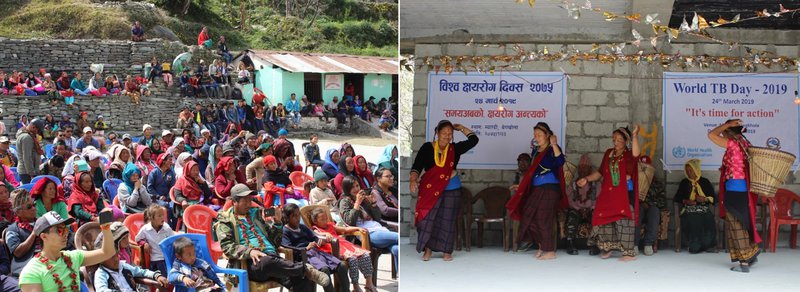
(323, 195)
(153, 232)
(357, 257)
(111, 271)
(191, 271)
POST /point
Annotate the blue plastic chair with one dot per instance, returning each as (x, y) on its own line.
(136, 139)
(40, 177)
(104, 160)
(16, 174)
(110, 187)
(27, 187)
(202, 253)
(84, 288)
(48, 151)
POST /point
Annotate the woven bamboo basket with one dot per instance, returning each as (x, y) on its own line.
(768, 169)
(569, 172)
(646, 173)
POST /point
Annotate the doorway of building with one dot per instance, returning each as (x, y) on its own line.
(358, 83)
(313, 87)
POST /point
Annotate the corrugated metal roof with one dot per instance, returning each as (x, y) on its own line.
(327, 63)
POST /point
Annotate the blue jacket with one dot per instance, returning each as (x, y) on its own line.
(159, 183)
(104, 282)
(182, 269)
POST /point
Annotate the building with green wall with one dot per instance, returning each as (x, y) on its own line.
(320, 77)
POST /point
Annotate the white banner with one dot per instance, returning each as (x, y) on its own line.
(501, 109)
(695, 103)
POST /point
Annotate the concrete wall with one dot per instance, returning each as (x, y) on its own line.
(292, 83)
(377, 85)
(328, 94)
(601, 97)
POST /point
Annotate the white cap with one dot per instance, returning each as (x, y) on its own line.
(87, 130)
(165, 133)
(126, 136)
(205, 131)
(4, 139)
(145, 127)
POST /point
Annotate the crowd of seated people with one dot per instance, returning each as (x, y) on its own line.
(80, 176)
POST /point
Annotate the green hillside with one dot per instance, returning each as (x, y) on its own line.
(331, 26)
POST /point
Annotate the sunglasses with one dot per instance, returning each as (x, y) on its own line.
(61, 229)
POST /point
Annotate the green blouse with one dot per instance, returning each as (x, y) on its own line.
(60, 208)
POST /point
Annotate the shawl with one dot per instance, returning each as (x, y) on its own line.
(365, 177)
(387, 154)
(329, 160)
(190, 189)
(694, 164)
(515, 204)
(130, 169)
(87, 199)
(38, 190)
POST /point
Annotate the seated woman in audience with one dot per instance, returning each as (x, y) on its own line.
(155, 146)
(111, 86)
(132, 193)
(300, 236)
(389, 161)
(214, 156)
(97, 85)
(284, 153)
(166, 72)
(254, 171)
(320, 112)
(192, 189)
(160, 180)
(224, 180)
(181, 161)
(8, 176)
(358, 258)
(45, 196)
(51, 89)
(363, 173)
(84, 203)
(321, 194)
(347, 150)
(33, 86)
(145, 161)
(360, 209)
(347, 168)
(78, 86)
(331, 166)
(384, 196)
(121, 156)
(696, 197)
(155, 71)
(191, 141)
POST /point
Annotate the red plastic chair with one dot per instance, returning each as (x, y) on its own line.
(299, 178)
(134, 223)
(198, 220)
(116, 203)
(781, 214)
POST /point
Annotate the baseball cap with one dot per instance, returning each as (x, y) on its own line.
(50, 219)
(87, 130)
(126, 136)
(250, 136)
(4, 139)
(241, 191)
(119, 232)
(166, 133)
(145, 127)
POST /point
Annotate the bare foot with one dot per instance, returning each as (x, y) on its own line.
(427, 255)
(627, 259)
(605, 255)
(448, 257)
(538, 254)
(550, 255)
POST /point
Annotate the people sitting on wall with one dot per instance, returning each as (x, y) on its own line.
(78, 86)
(294, 109)
(222, 50)
(203, 39)
(137, 32)
(244, 74)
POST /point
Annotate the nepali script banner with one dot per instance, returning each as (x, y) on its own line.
(501, 109)
(695, 103)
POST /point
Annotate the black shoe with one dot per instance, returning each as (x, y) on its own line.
(571, 250)
(593, 251)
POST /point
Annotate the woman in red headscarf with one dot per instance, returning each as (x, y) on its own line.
(191, 188)
(225, 178)
(84, 203)
(145, 161)
(364, 174)
(46, 197)
(617, 206)
(439, 189)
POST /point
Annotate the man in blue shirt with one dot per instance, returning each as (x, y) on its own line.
(87, 140)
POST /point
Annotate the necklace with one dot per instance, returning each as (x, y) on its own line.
(437, 153)
(261, 245)
(614, 167)
(74, 286)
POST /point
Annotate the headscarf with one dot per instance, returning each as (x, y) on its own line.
(87, 199)
(282, 148)
(212, 161)
(365, 176)
(179, 164)
(178, 141)
(223, 165)
(343, 166)
(329, 160)
(130, 169)
(38, 190)
(343, 150)
(694, 164)
(146, 166)
(584, 169)
(387, 154)
(118, 163)
(152, 142)
(188, 187)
